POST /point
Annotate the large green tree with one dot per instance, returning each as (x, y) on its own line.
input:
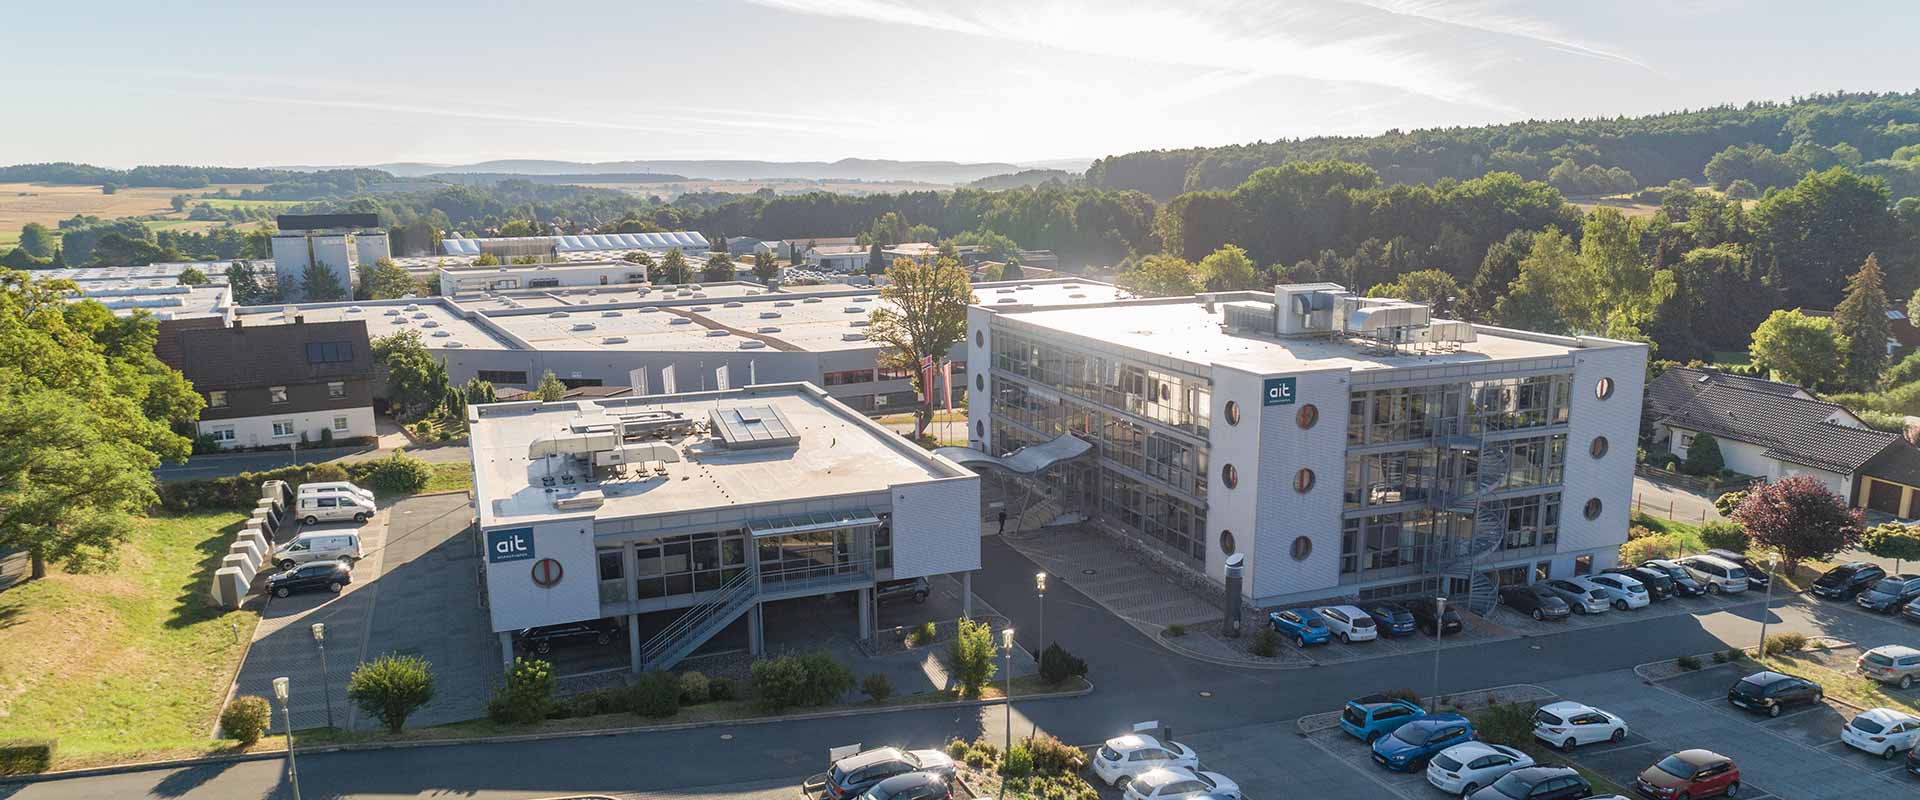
(37, 240)
(244, 280)
(1228, 269)
(318, 284)
(765, 269)
(385, 280)
(924, 314)
(719, 268)
(1800, 349)
(1434, 287)
(416, 381)
(1160, 276)
(1862, 318)
(1553, 292)
(673, 269)
(1821, 230)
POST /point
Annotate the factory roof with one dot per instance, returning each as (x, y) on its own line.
(834, 451)
(216, 272)
(164, 298)
(441, 324)
(685, 240)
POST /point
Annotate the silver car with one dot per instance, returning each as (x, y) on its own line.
(1894, 663)
(1581, 595)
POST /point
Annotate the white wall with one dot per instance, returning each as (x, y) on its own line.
(1609, 478)
(258, 431)
(936, 527)
(1752, 459)
(1269, 455)
(516, 602)
(979, 366)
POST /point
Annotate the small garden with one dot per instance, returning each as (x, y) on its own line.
(1035, 768)
(1794, 653)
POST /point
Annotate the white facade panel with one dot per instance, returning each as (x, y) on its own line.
(261, 431)
(979, 379)
(515, 600)
(936, 527)
(1609, 478)
(1282, 513)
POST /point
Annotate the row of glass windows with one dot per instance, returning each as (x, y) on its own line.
(703, 562)
(1178, 401)
(1164, 517)
(1401, 414)
(1402, 540)
(1180, 463)
(1401, 476)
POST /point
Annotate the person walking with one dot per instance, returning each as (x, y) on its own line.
(1003, 520)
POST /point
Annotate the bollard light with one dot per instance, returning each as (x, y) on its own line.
(1040, 581)
(1006, 639)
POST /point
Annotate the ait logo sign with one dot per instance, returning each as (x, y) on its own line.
(510, 544)
(1279, 392)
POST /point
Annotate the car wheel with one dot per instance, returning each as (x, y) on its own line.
(1344, 639)
(920, 597)
(1123, 782)
(1537, 616)
(1372, 736)
(360, 517)
(285, 565)
(543, 648)
(311, 521)
(1713, 588)
(1733, 789)
(1620, 605)
(282, 592)
(1469, 789)
(1299, 640)
(1888, 754)
(335, 587)
(1906, 681)
(1619, 735)
(1568, 745)
(602, 639)
(1773, 710)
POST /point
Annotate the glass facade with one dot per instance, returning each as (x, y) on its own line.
(690, 563)
(1181, 402)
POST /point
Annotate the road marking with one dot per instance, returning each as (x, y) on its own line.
(1367, 773)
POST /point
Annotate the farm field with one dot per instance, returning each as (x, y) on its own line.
(671, 189)
(21, 203)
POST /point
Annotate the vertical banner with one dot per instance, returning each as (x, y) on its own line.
(667, 383)
(637, 378)
(720, 378)
(946, 382)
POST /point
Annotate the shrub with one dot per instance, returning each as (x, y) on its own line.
(1735, 654)
(1505, 723)
(1719, 657)
(1052, 755)
(391, 687)
(1056, 664)
(809, 679)
(1639, 531)
(921, 634)
(1688, 663)
(26, 756)
(1403, 693)
(1266, 643)
(327, 472)
(972, 655)
(956, 749)
(877, 687)
(1019, 763)
(396, 474)
(1724, 536)
(1659, 545)
(527, 696)
(719, 689)
(656, 694)
(1782, 643)
(594, 703)
(694, 688)
(977, 758)
(1176, 630)
(246, 718)
(1703, 456)
(1727, 502)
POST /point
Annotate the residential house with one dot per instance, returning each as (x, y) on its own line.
(273, 385)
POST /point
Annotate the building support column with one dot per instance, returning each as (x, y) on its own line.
(633, 635)
(756, 638)
(629, 572)
(966, 595)
(506, 651)
(866, 614)
(1906, 502)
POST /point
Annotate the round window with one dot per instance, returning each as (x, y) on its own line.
(1308, 416)
(1233, 412)
(1229, 476)
(979, 383)
(1593, 508)
(979, 338)
(1302, 547)
(1603, 389)
(980, 428)
(1599, 446)
(1226, 542)
(1303, 480)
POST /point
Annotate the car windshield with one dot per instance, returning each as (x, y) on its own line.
(1881, 659)
(1836, 575)
(1111, 754)
(1890, 586)
(1597, 594)
(1315, 621)
(1446, 762)
(1865, 724)
(1415, 734)
(1512, 785)
(1353, 715)
(1204, 779)
(1751, 686)
(1363, 622)
(1546, 717)
(1676, 766)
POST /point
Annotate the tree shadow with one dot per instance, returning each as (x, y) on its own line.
(194, 604)
(179, 782)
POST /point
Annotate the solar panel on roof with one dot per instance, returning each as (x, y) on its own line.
(744, 427)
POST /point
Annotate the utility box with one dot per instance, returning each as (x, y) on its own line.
(1230, 605)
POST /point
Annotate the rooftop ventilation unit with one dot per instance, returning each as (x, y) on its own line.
(853, 337)
(442, 334)
(635, 453)
(769, 315)
(853, 310)
(694, 286)
(430, 324)
(355, 310)
(702, 309)
(861, 323)
(413, 307)
(1250, 316)
(767, 329)
(614, 340)
(393, 312)
(609, 313)
(650, 310)
(712, 334)
(590, 498)
(399, 320)
(679, 321)
(782, 303)
(749, 427)
(808, 300)
(732, 304)
(584, 326)
(558, 315)
(455, 345)
(863, 299)
(752, 344)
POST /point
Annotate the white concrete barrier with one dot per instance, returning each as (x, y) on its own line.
(258, 542)
(230, 587)
(249, 551)
(241, 561)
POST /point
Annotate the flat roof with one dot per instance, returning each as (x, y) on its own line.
(441, 324)
(1184, 329)
(838, 452)
(163, 298)
(168, 272)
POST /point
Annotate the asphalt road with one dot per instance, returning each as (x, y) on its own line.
(1135, 679)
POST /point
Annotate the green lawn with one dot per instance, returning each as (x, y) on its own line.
(448, 477)
(130, 661)
(1846, 686)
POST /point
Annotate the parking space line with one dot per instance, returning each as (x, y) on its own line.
(1368, 772)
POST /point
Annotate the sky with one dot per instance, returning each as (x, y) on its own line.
(119, 83)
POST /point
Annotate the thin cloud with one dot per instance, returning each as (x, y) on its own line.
(1487, 17)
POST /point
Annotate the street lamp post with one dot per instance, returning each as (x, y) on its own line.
(1006, 641)
(293, 772)
(1040, 585)
(1766, 609)
(1439, 631)
(326, 680)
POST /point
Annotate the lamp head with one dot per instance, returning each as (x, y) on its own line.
(1040, 580)
(319, 631)
(280, 689)
(1006, 638)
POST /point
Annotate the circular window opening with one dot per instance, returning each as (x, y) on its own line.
(1233, 412)
(1599, 446)
(980, 428)
(1303, 480)
(979, 338)
(979, 383)
(1308, 416)
(1593, 508)
(1226, 542)
(1229, 476)
(1302, 547)
(1603, 389)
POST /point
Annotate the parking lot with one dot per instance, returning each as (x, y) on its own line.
(1524, 625)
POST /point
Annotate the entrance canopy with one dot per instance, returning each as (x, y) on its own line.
(1031, 460)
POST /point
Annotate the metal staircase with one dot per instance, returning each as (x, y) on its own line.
(1459, 561)
(701, 622)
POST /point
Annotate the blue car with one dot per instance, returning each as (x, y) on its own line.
(1409, 746)
(1391, 619)
(1304, 625)
(1371, 717)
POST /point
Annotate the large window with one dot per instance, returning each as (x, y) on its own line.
(1530, 521)
(1173, 399)
(1397, 542)
(283, 428)
(1402, 414)
(1516, 403)
(1155, 514)
(686, 564)
(502, 376)
(845, 377)
(329, 352)
(613, 584)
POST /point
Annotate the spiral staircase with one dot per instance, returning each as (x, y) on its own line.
(1459, 560)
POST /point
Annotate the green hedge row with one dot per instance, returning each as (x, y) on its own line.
(396, 474)
(26, 757)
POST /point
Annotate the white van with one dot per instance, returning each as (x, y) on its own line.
(318, 546)
(317, 508)
(336, 487)
(1717, 574)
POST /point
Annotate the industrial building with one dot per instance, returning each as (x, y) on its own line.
(551, 248)
(1345, 446)
(684, 515)
(462, 279)
(339, 243)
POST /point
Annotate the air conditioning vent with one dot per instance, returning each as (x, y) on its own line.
(558, 315)
(752, 344)
(609, 313)
(769, 315)
(809, 300)
(733, 304)
(782, 303)
(442, 334)
(715, 334)
(614, 340)
(768, 329)
(584, 326)
(853, 336)
(679, 321)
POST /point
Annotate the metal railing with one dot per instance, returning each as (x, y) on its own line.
(787, 579)
(731, 597)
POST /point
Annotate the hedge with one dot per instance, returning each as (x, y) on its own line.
(395, 474)
(26, 756)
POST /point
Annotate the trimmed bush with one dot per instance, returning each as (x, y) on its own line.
(956, 749)
(1019, 762)
(1703, 456)
(26, 756)
(1725, 536)
(246, 718)
(1719, 657)
(1403, 693)
(527, 696)
(1639, 531)
(1056, 664)
(1266, 643)
(877, 687)
(327, 472)
(1052, 755)
(1510, 724)
(972, 656)
(1688, 663)
(719, 689)
(694, 688)
(808, 679)
(391, 687)
(1783, 643)
(594, 703)
(1645, 548)
(1176, 630)
(396, 474)
(655, 694)
(921, 634)
(1735, 654)
(1727, 502)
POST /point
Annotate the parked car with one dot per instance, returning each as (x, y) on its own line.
(1376, 715)
(1409, 746)
(1348, 623)
(317, 546)
(1719, 575)
(1534, 600)
(542, 640)
(1391, 619)
(332, 576)
(1768, 692)
(1913, 762)
(1897, 664)
(1582, 597)
(1623, 592)
(313, 509)
(1847, 580)
(1123, 758)
(914, 588)
(1301, 624)
(1659, 584)
(911, 786)
(1567, 724)
(1756, 571)
(1448, 621)
(1883, 732)
(1167, 783)
(1684, 584)
(1463, 768)
(335, 487)
(853, 775)
(1911, 612)
(1891, 594)
(1537, 783)
(1690, 774)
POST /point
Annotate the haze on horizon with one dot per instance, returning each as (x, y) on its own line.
(993, 80)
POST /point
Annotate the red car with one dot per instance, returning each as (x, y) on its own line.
(1690, 774)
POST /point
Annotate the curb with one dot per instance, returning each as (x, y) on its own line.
(1642, 670)
(265, 755)
(1329, 720)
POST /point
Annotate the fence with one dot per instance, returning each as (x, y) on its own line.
(1670, 509)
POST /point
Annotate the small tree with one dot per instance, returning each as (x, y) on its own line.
(1892, 540)
(390, 688)
(319, 284)
(764, 268)
(550, 388)
(192, 276)
(1742, 189)
(1703, 456)
(1798, 518)
(719, 268)
(972, 655)
(385, 280)
(1725, 536)
(877, 687)
(527, 696)
(246, 718)
(1726, 503)
(876, 260)
(1056, 664)
(674, 268)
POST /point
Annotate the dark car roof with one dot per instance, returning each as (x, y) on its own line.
(1436, 720)
(1701, 758)
(899, 782)
(869, 758)
(1534, 775)
(1765, 677)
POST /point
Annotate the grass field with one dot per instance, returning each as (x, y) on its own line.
(130, 661)
(229, 202)
(21, 203)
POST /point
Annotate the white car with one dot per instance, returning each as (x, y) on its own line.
(1348, 623)
(1463, 768)
(1164, 784)
(1567, 724)
(1123, 758)
(1883, 732)
(1624, 592)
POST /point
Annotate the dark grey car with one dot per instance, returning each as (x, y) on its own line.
(1534, 600)
(1891, 594)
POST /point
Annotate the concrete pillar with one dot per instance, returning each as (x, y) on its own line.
(629, 572)
(248, 551)
(229, 587)
(1906, 502)
(633, 635)
(506, 650)
(866, 614)
(966, 595)
(756, 638)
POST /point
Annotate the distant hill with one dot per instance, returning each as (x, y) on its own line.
(490, 178)
(859, 169)
(1023, 179)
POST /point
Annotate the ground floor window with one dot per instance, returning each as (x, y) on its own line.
(1155, 513)
(223, 433)
(340, 423)
(1583, 565)
(1542, 571)
(613, 584)
(282, 428)
(1397, 590)
(691, 563)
